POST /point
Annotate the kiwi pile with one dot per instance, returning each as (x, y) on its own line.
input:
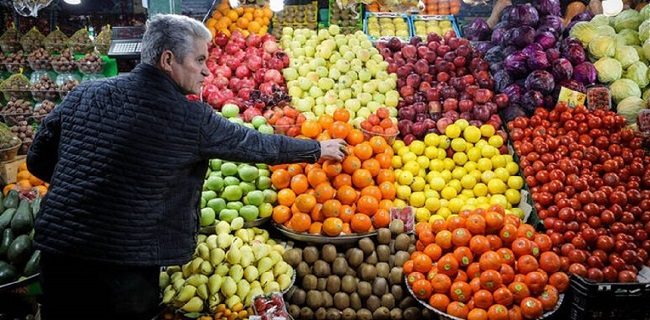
(32, 40)
(64, 63)
(39, 59)
(297, 16)
(45, 89)
(15, 61)
(347, 18)
(91, 63)
(56, 41)
(80, 42)
(362, 282)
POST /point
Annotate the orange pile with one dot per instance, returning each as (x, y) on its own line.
(380, 123)
(332, 198)
(26, 182)
(246, 19)
(441, 7)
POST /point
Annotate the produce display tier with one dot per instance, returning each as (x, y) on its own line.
(387, 16)
(319, 239)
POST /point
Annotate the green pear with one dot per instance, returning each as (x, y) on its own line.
(280, 268)
(163, 280)
(168, 295)
(275, 256)
(247, 256)
(232, 301)
(243, 287)
(202, 251)
(178, 284)
(206, 268)
(211, 241)
(176, 275)
(233, 256)
(216, 256)
(265, 209)
(194, 305)
(236, 272)
(202, 291)
(228, 287)
(214, 284)
(263, 182)
(222, 269)
(266, 277)
(197, 280)
(284, 280)
(224, 240)
(195, 267)
(272, 286)
(237, 223)
(222, 227)
(255, 291)
(260, 250)
(250, 273)
(186, 293)
(243, 235)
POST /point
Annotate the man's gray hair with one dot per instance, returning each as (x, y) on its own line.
(172, 32)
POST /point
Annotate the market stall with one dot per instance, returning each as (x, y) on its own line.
(492, 173)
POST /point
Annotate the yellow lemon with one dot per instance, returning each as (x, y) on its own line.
(422, 215)
(417, 199)
(431, 139)
(480, 189)
(448, 192)
(403, 192)
(515, 182)
(433, 204)
(513, 196)
(453, 131)
(417, 147)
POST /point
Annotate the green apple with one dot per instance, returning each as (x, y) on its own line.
(316, 92)
(217, 204)
(270, 196)
(230, 110)
(264, 170)
(231, 181)
(235, 205)
(247, 172)
(257, 121)
(208, 217)
(249, 212)
(203, 202)
(263, 182)
(266, 129)
(232, 193)
(228, 215)
(208, 195)
(214, 183)
(255, 197)
(215, 164)
(266, 209)
(229, 169)
(247, 187)
(248, 125)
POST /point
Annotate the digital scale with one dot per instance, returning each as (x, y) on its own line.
(126, 42)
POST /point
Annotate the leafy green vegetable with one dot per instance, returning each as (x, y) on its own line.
(624, 88)
(609, 70)
(626, 55)
(630, 107)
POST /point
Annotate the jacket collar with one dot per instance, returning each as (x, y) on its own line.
(155, 75)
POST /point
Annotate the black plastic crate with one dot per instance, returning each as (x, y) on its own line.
(629, 301)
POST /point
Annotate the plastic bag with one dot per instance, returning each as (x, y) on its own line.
(56, 41)
(80, 42)
(103, 40)
(29, 8)
(32, 40)
(10, 40)
(16, 86)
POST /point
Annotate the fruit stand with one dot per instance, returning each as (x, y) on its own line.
(492, 173)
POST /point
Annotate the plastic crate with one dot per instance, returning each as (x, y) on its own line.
(421, 17)
(359, 21)
(591, 300)
(307, 21)
(390, 15)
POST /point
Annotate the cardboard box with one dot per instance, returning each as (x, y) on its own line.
(9, 169)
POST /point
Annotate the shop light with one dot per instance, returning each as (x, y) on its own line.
(276, 5)
(612, 7)
(74, 2)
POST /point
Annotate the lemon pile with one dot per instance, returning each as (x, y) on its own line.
(476, 175)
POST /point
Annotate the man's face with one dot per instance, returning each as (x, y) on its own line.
(189, 73)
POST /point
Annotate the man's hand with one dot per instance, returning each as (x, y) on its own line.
(334, 149)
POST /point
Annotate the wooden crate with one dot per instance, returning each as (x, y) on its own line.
(9, 169)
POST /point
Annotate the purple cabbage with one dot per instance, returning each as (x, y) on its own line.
(585, 73)
(531, 100)
(552, 54)
(521, 36)
(520, 15)
(501, 80)
(477, 30)
(561, 69)
(531, 48)
(516, 64)
(567, 42)
(483, 46)
(511, 112)
(494, 55)
(498, 36)
(548, 7)
(575, 54)
(545, 39)
(554, 23)
(569, 84)
(583, 16)
(510, 50)
(514, 93)
(494, 67)
(541, 81)
(537, 61)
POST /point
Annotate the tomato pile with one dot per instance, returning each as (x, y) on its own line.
(333, 198)
(590, 181)
(485, 264)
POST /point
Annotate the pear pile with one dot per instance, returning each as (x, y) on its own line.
(231, 266)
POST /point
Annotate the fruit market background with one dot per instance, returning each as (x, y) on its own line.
(493, 172)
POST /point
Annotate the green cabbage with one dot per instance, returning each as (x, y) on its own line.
(627, 19)
(600, 20)
(646, 93)
(628, 37)
(630, 107)
(609, 70)
(638, 72)
(584, 31)
(645, 13)
(602, 46)
(624, 88)
(626, 55)
(644, 30)
(640, 53)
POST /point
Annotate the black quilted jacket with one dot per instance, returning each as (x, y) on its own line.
(126, 158)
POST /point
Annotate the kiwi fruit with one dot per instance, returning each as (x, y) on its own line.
(383, 269)
(349, 314)
(379, 287)
(349, 284)
(310, 254)
(333, 284)
(328, 300)
(396, 276)
(351, 272)
(400, 258)
(321, 284)
(339, 266)
(397, 291)
(388, 301)
(355, 301)
(372, 258)
(364, 289)
(396, 314)
(314, 299)
(373, 303)
(402, 242)
(292, 256)
(309, 282)
(294, 311)
(368, 272)
(320, 314)
(303, 269)
(367, 246)
(407, 302)
(364, 314)
(328, 253)
(412, 313)
(383, 253)
(383, 236)
(321, 269)
(411, 249)
(341, 300)
(428, 314)
(396, 227)
(299, 296)
(333, 314)
(306, 314)
(382, 313)
(354, 257)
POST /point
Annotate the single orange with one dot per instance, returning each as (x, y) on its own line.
(332, 226)
(360, 223)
